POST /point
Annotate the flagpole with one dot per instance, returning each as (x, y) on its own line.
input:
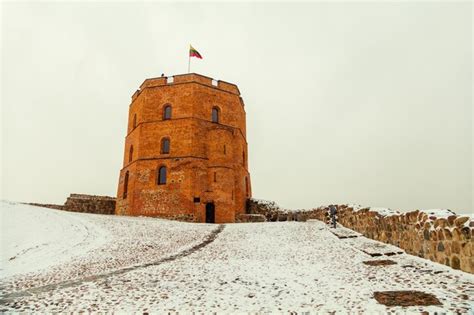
(189, 63)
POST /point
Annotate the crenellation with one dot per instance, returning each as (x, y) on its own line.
(152, 82)
(229, 87)
(135, 95)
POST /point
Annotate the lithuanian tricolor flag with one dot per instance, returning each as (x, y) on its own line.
(194, 53)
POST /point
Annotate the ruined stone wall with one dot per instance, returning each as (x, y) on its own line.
(84, 203)
(273, 212)
(447, 240)
(90, 204)
(245, 218)
(46, 205)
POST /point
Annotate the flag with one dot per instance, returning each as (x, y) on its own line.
(194, 53)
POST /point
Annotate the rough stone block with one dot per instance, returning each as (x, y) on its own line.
(459, 222)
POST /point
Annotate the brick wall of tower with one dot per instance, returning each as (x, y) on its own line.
(206, 160)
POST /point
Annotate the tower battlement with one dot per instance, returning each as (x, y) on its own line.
(187, 78)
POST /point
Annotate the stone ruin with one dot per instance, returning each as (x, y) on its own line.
(84, 203)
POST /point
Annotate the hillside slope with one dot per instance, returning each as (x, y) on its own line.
(146, 265)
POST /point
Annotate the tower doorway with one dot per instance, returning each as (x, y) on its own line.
(210, 212)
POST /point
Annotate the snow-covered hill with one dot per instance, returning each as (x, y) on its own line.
(64, 244)
(100, 263)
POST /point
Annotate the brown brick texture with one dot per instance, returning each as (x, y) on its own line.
(207, 160)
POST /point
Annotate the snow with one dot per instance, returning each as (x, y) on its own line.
(35, 238)
(384, 211)
(248, 267)
(355, 207)
(444, 214)
(63, 245)
(439, 213)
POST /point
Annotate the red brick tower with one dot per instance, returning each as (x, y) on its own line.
(185, 151)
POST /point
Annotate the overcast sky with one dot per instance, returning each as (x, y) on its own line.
(363, 103)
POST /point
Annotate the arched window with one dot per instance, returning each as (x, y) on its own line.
(165, 146)
(134, 121)
(167, 112)
(215, 115)
(130, 154)
(125, 186)
(161, 175)
(246, 186)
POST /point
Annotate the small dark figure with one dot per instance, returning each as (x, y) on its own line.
(332, 215)
(162, 75)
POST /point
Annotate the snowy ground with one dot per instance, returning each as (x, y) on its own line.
(254, 267)
(36, 238)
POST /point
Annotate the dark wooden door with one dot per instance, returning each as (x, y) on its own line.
(210, 213)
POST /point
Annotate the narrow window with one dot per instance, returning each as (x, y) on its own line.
(134, 121)
(215, 115)
(125, 186)
(243, 158)
(224, 149)
(165, 146)
(130, 154)
(167, 112)
(162, 175)
(247, 186)
(215, 177)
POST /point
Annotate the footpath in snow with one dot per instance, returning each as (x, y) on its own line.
(254, 267)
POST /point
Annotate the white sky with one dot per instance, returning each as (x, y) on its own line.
(366, 103)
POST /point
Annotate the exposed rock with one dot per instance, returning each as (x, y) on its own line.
(440, 247)
(459, 222)
(406, 298)
(455, 263)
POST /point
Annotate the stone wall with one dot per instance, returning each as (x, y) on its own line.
(245, 218)
(90, 204)
(440, 236)
(46, 205)
(272, 212)
(84, 203)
